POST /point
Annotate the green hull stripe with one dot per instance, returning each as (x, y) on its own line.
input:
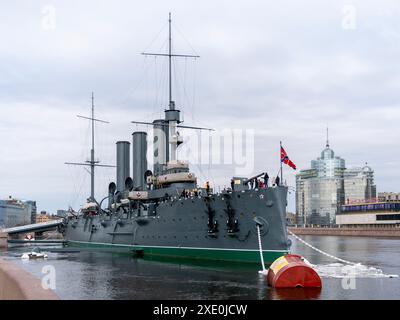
(238, 255)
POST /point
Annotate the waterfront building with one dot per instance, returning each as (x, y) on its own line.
(45, 217)
(359, 184)
(33, 210)
(14, 212)
(42, 217)
(290, 218)
(388, 196)
(327, 185)
(376, 214)
(320, 190)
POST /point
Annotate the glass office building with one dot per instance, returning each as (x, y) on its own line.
(322, 189)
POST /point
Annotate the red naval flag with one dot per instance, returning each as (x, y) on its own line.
(285, 159)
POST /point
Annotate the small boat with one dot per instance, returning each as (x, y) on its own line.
(34, 254)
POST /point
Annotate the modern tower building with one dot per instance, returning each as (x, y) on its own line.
(321, 190)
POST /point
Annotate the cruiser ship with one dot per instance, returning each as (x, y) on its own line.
(164, 212)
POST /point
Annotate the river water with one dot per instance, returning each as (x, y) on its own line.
(83, 274)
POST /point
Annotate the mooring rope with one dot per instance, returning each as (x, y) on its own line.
(322, 252)
(260, 247)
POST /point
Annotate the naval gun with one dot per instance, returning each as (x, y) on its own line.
(246, 181)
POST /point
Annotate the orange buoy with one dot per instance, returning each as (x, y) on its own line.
(290, 271)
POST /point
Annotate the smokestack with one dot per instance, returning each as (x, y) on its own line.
(139, 158)
(123, 163)
(160, 146)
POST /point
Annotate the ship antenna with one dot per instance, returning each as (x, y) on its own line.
(92, 162)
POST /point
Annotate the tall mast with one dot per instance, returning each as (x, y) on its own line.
(171, 106)
(92, 162)
(170, 55)
(172, 116)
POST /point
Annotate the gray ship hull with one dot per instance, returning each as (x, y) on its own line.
(178, 227)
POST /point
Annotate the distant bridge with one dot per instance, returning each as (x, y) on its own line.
(36, 227)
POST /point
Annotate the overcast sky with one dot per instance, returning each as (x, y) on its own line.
(286, 69)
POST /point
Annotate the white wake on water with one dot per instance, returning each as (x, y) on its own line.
(341, 270)
(345, 268)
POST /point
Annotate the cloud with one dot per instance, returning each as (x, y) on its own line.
(285, 69)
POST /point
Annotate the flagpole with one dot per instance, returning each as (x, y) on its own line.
(280, 157)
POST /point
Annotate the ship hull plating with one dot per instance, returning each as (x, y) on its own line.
(179, 227)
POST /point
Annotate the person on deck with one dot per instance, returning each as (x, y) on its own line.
(277, 181)
(266, 177)
(232, 185)
(207, 187)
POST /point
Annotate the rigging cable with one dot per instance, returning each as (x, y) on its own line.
(320, 251)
